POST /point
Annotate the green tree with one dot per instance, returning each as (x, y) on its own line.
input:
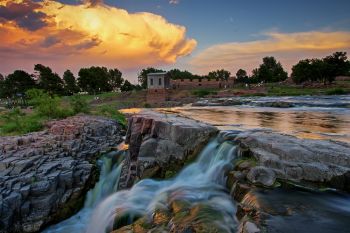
(127, 86)
(70, 83)
(17, 82)
(115, 79)
(241, 76)
(219, 74)
(178, 74)
(49, 81)
(94, 79)
(142, 77)
(271, 71)
(338, 65)
(303, 71)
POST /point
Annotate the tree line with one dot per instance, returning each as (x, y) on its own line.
(309, 70)
(92, 80)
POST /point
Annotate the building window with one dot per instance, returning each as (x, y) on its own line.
(199, 80)
(182, 80)
(151, 81)
(191, 80)
(160, 81)
(199, 84)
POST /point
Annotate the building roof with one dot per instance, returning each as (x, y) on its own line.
(159, 73)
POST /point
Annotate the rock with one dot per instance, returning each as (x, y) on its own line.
(45, 175)
(262, 176)
(295, 159)
(159, 143)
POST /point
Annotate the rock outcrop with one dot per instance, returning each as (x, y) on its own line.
(44, 175)
(160, 144)
(295, 159)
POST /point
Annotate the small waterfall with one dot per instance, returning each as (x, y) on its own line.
(201, 183)
(110, 167)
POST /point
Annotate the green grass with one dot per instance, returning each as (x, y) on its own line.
(110, 112)
(203, 92)
(336, 91)
(15, 122)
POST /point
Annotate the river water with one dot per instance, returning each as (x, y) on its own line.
(321, 117)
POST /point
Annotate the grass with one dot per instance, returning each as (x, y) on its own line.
(203, 92)
(110, 112)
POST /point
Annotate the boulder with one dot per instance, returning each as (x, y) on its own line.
(262, 176)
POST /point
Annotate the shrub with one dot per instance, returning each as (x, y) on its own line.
(336, 91)
(79, 104)
(17, 122)
(203, 92)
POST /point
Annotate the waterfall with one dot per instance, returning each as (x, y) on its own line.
(202, 182)
(110, 168)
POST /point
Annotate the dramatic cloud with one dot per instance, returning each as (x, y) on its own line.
(289, 48)
(174, 1)
(92, 33)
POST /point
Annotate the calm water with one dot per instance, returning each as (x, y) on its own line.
(310, 117)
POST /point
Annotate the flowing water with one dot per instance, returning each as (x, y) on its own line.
(201, 183)
(110, 166)
(321, 117)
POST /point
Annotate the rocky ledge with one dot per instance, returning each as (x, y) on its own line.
(278, 165)
(44, 175)
(160, 145)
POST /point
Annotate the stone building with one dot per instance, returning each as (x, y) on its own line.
(158, 85)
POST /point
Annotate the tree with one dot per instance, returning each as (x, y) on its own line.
(302, 72)
(241, 76)
(219, 74)
(115, 79)
(1, 77)
(70, 83)
(94, 79)
(338, 65)
(127, 86)
(49, 81)
(271, 71)
(17, 83)
(142, 77)
(178, 74)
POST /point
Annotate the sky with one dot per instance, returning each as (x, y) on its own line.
(196, 35)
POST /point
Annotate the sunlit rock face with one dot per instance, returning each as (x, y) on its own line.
(44, 176)
(160, 144)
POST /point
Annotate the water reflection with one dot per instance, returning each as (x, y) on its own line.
(314, 123)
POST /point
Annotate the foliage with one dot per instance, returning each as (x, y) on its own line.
(70, 83)
(127, 86)
(46, 105)
(203, 92)
(178, 74)
(115, 78)
(94, 79)
(241, 76)
(17, 83)
(269, 71)
(219, 74)
(321, 70)
(142, 77)
(79, 104)
(49, 81)
(17, 122)
(336, 91)
(110, 112)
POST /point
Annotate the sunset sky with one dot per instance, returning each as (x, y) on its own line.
(197, 35)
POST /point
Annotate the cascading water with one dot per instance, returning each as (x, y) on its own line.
(110, 165)
(201, 185)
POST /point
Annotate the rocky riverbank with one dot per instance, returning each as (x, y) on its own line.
(44, 176)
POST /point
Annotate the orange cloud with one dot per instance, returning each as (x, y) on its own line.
(288, 48)
(87, 34)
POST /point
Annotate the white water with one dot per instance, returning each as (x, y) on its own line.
(203, 181)
(108, 183)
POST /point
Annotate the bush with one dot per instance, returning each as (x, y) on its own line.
(108, 111)
(79, 104)
(336, 91)
(47, 106)
(17, 122)
(203, 92)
